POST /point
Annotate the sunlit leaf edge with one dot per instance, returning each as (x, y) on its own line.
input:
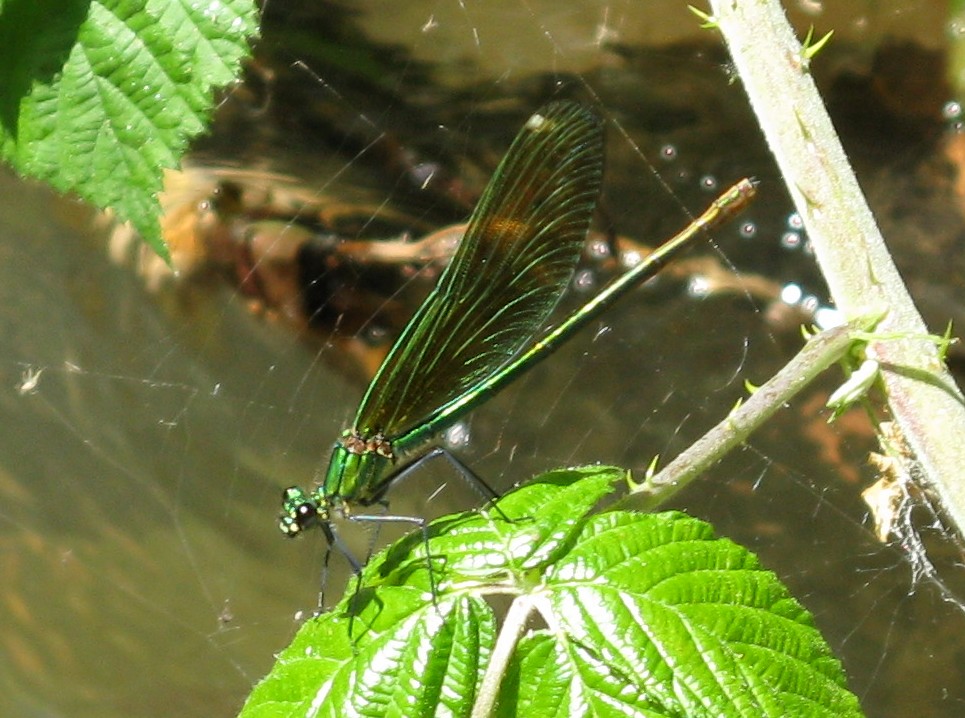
(98, 98)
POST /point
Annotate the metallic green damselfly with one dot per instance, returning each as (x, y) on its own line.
(475, 331)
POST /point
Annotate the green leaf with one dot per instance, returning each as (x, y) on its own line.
(97, 97)
(638, 614)
(413, 658)
(689, 621)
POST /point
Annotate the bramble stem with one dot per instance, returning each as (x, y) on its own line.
(925, 402)
(821, 351)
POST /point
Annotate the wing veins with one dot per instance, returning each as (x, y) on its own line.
(517, 256)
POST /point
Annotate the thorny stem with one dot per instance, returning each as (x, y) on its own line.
(818, 354)
(927, 406)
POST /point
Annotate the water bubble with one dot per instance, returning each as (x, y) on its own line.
(458, 436)
(810, 303)
(791, 293)
(668, 153)
(584, 280)
(698, 286)
(748, 230)
(708, 183)
(795, 222)
(952, 110)
(598, 249)
(791, 240)
(630, 259)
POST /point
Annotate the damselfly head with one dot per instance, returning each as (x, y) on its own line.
(300, 511)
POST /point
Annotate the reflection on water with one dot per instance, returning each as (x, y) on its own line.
(145, 461)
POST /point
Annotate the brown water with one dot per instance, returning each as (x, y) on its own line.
(139, 481)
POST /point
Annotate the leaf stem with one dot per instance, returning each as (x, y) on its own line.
(821, 351)
(513, 627)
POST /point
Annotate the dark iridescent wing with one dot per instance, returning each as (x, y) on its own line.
(516, 258)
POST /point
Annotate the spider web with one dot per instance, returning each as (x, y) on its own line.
(150, 425)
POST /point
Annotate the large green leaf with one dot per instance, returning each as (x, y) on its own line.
(638, 615)
(97, 97)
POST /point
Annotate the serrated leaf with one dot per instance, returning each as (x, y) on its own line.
(97, 97)
(423, 660)
(542, 682)
(691, 621)
(645, 615)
